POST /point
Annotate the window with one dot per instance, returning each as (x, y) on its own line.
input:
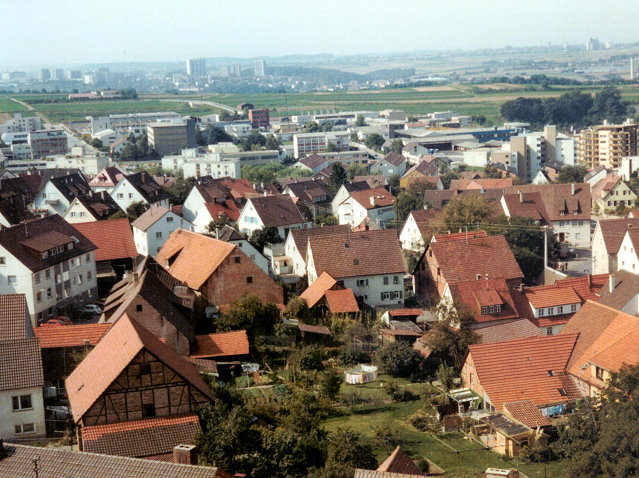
(47, 274)
(21, 402)
(395, 280)
(385, 280)
(549, 332)
(562, 392)
(169, 219)
(599, 373)
(249, 279)
(24, 428)
(396, 295)
(541, 312)
(72, 262)
(550, 372)
(89, 275)
(130, 195)
(158, 235)
(80, 280)
(385, 295)
(573, 308)
(560, 309)
(87, 258)
(138, 308)
(3, 261)
(12, 280)
(38, 296)
(49, 293)
(236, 259)
(362, 282)
(120, 195)
(37, 277)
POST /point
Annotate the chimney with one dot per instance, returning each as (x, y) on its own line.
(611, 283)
(521, 287)
(185, 454)
(521, 197)
(572, 188)
(372, 200)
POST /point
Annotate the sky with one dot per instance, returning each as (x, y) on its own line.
(64, 32)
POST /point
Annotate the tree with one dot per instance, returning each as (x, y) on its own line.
(356, 170)
(181, 188)
(337, 178)
(446, 177)
(398, 359)
(297, 309)
(254, 141)
(251, 314)
(309, 358)
(214, 135)
(572, 174)
(327, 126)
(360, 121)
(397, 146)
(330, 381)
(96, 143)
(465, 212)
(266, 235)
(272, 143)
(374, 141)
(136, 209)
(600, 439)
(312, 127)
(331, 147)
(347, 451)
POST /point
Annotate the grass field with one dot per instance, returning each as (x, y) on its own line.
(469, 460)
(9, 106)
(77, 111)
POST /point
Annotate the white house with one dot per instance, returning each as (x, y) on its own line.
(58, 193)
(139, 187)
(295, 246)
(606, 243)
(376, 204)
(152, 229)
(370, 263)
(93, 207)
(417, 230)
(107, 137)
(49, 262)
(390, 165)
(106, 179)
(627, 258)
(272, 211)
(227, 193)
(195, 165)
(230, 235)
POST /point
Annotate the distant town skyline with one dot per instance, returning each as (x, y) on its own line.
(74, 32)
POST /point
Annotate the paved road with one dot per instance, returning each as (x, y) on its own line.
(221, 106)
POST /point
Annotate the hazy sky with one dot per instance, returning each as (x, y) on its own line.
(51, 32)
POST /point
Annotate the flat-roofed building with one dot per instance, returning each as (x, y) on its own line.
(168, 138)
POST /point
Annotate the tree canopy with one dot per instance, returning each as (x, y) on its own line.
(251, 314)
(572, 174)
(374, 141)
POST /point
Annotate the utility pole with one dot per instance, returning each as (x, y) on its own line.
(545, 248)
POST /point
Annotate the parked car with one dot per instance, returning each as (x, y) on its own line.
(61, 320)
(91, 309)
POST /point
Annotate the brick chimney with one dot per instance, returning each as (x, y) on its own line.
(185, 454)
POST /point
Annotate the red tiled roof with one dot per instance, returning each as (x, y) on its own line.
(394, 158)
(481, 183)
(551, 296)
(528, 414)
(108, 177)
(84, 386)
(400, 462)
(519, 370)
(150, 217)
(528, 205)
(587, 287)
(382, 198)
(70, 335)
(459, 236)
(141, 438)
(228, 208)
(613, 231)
(405, 312)
(423, 219)
(341, 301)
(221, 344)
(113, 237)
(20, 364)
(607, 338)
(314, 329)
(559, 200)
(277, 210)
(314, 292)
(13, 316)
(464, 260)
(504, 331)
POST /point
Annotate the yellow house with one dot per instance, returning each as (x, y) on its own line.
(611, 192)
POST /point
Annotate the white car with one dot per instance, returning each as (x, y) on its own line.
(91, 309)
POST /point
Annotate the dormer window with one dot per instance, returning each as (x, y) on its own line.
(491, 309)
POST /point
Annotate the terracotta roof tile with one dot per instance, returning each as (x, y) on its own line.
(277, 210)
(481, 183)
(20, 364)
(314, 329)
(357, 254)
(560, 202)
(423, 219)
(400, 462)
(13, 317)
(359, 473)
(150, 217)
(84, 386)
(114, 238)
(464, 260)
(551, 296)
(227, 208)
(613, 231)
(511, 330)
(141, 438)
(300, 236)
(394, 158)
(373, 198)
(55, 462)
(314, 292)
(341, 301)
(588, 287)
(108, 177)
(221, 344)
(519, 370)
(405, 312)
(459, 236)
(70, 335)
(528, 205)
(528, 414)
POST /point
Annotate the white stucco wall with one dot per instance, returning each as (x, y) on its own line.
(10, 418)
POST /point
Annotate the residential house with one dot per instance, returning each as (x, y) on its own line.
(50, 262)
(345, 191)
(280, 211)
(60, 347)
(437, 199)
(374, 181)
(627, 258)
(59, 192)
(155, 300)
(421, 171)
(327, 294)
(296, 244)
(107, 179)
(139, 188)
(606, 241)
(462, 257)
(145, 386)
(532, 368)
(218, 271)
(313, 163)
(116, 252)
(505, 331)
(376, 204)
(21, 378)
(622, 292)
(390, 165)
(596, 175)
(413, 152)
(228, 234)
(152, 229)
(226, 195)
(612, 192)
(417, 230)
(227, 349)
(526, 205)
(17, 462)
(314, 194)
(370, 263)
(507, 436)
(607, 340)
(400, 465)
(92, 207)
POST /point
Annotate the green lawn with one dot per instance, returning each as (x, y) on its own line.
(9, 106)
(457, 455)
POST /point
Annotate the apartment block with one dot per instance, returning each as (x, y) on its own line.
(606, 145)
(307, 143)
(47, 142)
(169, 138)
(259, 118)
(21, 124)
